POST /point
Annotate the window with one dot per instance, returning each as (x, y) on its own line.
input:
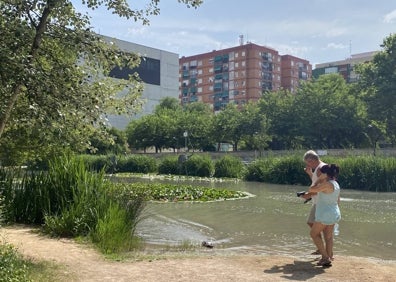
(148, 70)
(193, 64)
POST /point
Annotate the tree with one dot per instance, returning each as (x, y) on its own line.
(280, 114)
(168, 103)
(253, 127)
(377, 83)
(196, 121)
(53, 72)
(327, 115)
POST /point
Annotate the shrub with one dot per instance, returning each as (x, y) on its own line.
(229, 166)
(289, 170)
(259, 170)
(12, 266)
(169, 165)
(100, 162)
(199, 165)
(137, 163)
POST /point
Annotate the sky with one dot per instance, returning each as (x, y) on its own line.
(319, 31)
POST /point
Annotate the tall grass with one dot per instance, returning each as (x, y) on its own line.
(367, 173)
(69, 200)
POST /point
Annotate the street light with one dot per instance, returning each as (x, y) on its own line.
(185, 135)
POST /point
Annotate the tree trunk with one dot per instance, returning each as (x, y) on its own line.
(17, 90)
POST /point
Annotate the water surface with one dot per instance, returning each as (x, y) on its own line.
(273, 222)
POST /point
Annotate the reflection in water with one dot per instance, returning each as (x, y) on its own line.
(274, 222)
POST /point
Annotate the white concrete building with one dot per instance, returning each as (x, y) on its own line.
(159, 71)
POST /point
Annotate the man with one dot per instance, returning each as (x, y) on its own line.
(313, 164)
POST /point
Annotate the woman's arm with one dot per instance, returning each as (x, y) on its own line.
(324, 186)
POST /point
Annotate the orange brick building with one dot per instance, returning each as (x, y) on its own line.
(238, 75)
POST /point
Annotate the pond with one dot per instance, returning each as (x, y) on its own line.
(273, 222)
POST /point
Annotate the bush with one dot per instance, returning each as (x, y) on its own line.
(99, 162)
(169, 165)
(289, 170)
(229, 166)
(12, 266)
(259, 170)
(137, 164)
(199, 165)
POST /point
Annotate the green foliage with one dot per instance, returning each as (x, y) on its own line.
(169, 165)
(368, 173)
(68, 200)
(102, 144)
(177, 192)
(199, 165)
(13, 268)
(260, 169)
(100, 162)
(377, 88)
(229, 166)
(54, 86)
(113, 232)
(137, 163)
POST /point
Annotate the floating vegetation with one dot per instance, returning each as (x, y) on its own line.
(178, 192)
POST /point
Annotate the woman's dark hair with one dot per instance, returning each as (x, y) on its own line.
(331, 170)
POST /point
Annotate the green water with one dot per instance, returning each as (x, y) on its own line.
(274, 222)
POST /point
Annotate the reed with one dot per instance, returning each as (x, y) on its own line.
(68, 200)
(367, 173)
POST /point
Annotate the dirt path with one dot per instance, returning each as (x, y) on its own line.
(80, 263)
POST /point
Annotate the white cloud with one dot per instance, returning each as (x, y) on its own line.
(390, 17)
(136, 31)
(333, 45)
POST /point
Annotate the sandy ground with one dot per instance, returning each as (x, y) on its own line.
(82, 263)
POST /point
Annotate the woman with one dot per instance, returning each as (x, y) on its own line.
(327, 211)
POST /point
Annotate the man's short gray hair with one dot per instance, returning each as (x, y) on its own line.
(311, 155)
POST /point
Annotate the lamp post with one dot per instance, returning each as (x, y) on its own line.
(185, 135)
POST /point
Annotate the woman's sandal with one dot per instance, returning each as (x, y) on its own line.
(325, 262)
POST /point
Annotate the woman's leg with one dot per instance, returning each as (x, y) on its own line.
(329, 239)
(316, 236)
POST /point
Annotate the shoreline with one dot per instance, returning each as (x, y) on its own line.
(81, 262)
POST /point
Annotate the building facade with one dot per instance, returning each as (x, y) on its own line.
(159, 71)
(294, 70)
(344, 67)
(238, 75)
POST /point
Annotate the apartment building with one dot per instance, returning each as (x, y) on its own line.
(344, 67)
(293, 70)
(238, 75)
